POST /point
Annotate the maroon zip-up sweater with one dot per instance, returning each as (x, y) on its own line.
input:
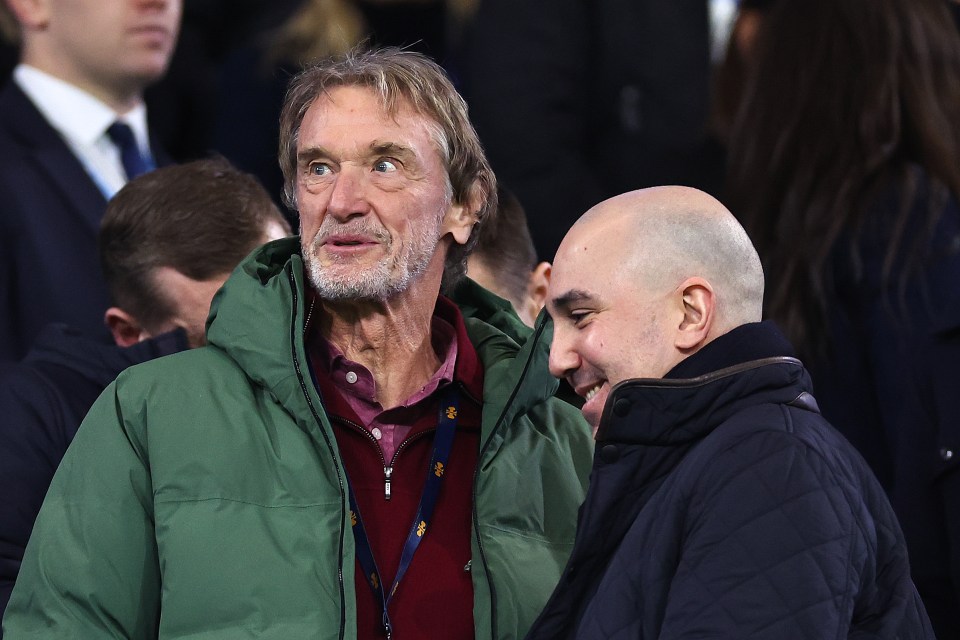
(435, 597)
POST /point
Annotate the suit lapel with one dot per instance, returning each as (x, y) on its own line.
(64, 171)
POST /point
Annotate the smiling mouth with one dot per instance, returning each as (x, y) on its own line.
(592, 392)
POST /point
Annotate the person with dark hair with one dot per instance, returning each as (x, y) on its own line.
(163, 248)
(721, 503)
(73, 130)
(348, 456)
(505, 260)
(165, 253)
(845, 168)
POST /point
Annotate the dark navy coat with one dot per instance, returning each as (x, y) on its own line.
(722, 505)
(577, 101)
(892, 377)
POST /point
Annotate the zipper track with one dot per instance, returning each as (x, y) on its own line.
(369, 436)
(333, 455)
(476, 475)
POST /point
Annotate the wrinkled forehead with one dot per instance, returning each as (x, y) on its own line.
(395, 109)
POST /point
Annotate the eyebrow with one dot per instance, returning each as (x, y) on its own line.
(566, 300)
(391, 149)
(311, 153)
(376, 148)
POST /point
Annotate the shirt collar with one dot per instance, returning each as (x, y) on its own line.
(87, 118)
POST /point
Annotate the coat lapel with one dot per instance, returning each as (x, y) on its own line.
(44, 145)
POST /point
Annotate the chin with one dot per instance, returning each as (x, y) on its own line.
(593, 419)
(151, 69)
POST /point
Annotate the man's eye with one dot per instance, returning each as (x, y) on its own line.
(318, 169)
(384, 166)
(577, 317)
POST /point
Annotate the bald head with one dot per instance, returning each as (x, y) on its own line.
(643, 281)
(663, 235)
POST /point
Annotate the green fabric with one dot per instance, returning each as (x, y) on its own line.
(208, 485)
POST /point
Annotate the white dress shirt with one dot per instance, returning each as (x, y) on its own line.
(82, 121)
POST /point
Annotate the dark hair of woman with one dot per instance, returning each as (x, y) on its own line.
(847, 98)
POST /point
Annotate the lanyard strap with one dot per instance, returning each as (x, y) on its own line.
(442, 443)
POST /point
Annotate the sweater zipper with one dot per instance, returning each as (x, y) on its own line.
(306, 394)
(387, 468)
(387, 472)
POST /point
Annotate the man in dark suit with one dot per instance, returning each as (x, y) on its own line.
(73, 130)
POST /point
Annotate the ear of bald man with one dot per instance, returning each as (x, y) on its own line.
(699, 305)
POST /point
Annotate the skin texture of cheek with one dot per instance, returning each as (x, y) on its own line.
(309, 219)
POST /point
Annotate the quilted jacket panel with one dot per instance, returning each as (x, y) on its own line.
(725, 506)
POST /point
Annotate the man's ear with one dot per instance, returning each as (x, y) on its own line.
(461, 217)
(459, 222)
(537, 288)
(31, 14)
(698, 304)
(125, 328)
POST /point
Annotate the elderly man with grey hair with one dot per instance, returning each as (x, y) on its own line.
(349, 456)
(721, 504)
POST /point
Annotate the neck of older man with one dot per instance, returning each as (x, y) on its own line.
(391, 338)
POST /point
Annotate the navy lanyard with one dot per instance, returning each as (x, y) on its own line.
(442, 443)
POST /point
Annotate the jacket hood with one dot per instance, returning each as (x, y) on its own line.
(98, 361)
(258, 316)
(750, 365)
(478, 302)
(255, 315)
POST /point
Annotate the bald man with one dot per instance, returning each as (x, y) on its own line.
(721, 504)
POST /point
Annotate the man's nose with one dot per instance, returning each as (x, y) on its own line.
(563, 359)
(348, 197)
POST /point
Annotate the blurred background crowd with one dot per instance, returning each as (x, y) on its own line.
(830, 127)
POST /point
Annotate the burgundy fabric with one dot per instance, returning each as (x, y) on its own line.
(392, 425)
(435, 598)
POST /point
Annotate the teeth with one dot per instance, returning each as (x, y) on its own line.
(592, 393)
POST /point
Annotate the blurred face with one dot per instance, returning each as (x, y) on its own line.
(528, 306)
(374, 198)
(607, 327)
(107, 46)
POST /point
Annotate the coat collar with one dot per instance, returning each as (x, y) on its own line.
(98, 361)
(750, 365)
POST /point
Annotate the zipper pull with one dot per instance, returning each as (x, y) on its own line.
(387, 472)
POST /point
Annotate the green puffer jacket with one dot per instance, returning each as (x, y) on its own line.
(204, 495)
